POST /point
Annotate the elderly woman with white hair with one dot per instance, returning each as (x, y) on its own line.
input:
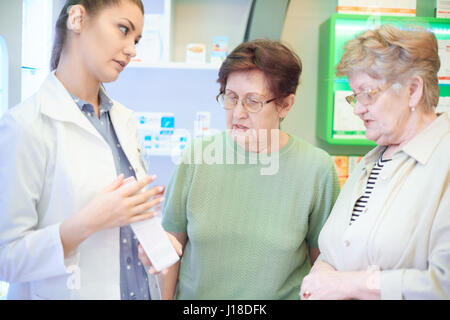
(388, 235)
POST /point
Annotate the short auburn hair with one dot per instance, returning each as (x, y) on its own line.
(394, 54)
(281, 66)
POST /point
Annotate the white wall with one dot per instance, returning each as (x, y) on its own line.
(301, 32)
(11, 30)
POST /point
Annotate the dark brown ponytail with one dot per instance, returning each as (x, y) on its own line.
(92, 7)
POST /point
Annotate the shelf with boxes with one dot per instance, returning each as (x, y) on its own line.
(412, 8)
(176, 65)
(178, 58)
(197, 33)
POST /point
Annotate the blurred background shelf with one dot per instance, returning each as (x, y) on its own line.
(174, 65)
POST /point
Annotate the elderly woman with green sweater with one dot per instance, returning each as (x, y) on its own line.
(247, 205)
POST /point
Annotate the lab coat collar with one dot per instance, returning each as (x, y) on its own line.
(59, 105)
(124, 124)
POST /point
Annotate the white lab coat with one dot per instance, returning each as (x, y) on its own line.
(52, 163)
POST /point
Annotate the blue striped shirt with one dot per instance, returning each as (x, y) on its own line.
(133, 276)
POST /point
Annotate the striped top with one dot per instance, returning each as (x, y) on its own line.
(362, 201)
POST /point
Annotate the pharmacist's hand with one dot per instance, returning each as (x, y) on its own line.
(120, 204)
(146, 261)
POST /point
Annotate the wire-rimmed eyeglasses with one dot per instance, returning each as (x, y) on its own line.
(251, 102)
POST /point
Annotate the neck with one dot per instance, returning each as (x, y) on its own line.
(417, 122)
(73, 74)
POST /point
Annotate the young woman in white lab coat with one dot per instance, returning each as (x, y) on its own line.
(61, 202)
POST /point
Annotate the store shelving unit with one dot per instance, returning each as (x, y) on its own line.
(183, 91)
(175, 65)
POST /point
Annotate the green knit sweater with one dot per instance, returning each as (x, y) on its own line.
(248, 232)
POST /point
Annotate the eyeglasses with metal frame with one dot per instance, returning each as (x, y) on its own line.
(366, 97)
(251, 102)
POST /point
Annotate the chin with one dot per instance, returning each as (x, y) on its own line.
(379, 140)
(373, 139)
(109, 77)
(380, 137)
(372, 135)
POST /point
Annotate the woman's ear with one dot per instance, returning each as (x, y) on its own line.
(286, 105)
(75, 19)
(415, 91)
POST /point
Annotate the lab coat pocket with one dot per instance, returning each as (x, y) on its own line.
(61, 287)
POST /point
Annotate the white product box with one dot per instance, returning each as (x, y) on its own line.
(378, 7)
(196, 53)
(220, 49)
(154, 240)
(202, 123)
(444, 55)
(442, 8)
